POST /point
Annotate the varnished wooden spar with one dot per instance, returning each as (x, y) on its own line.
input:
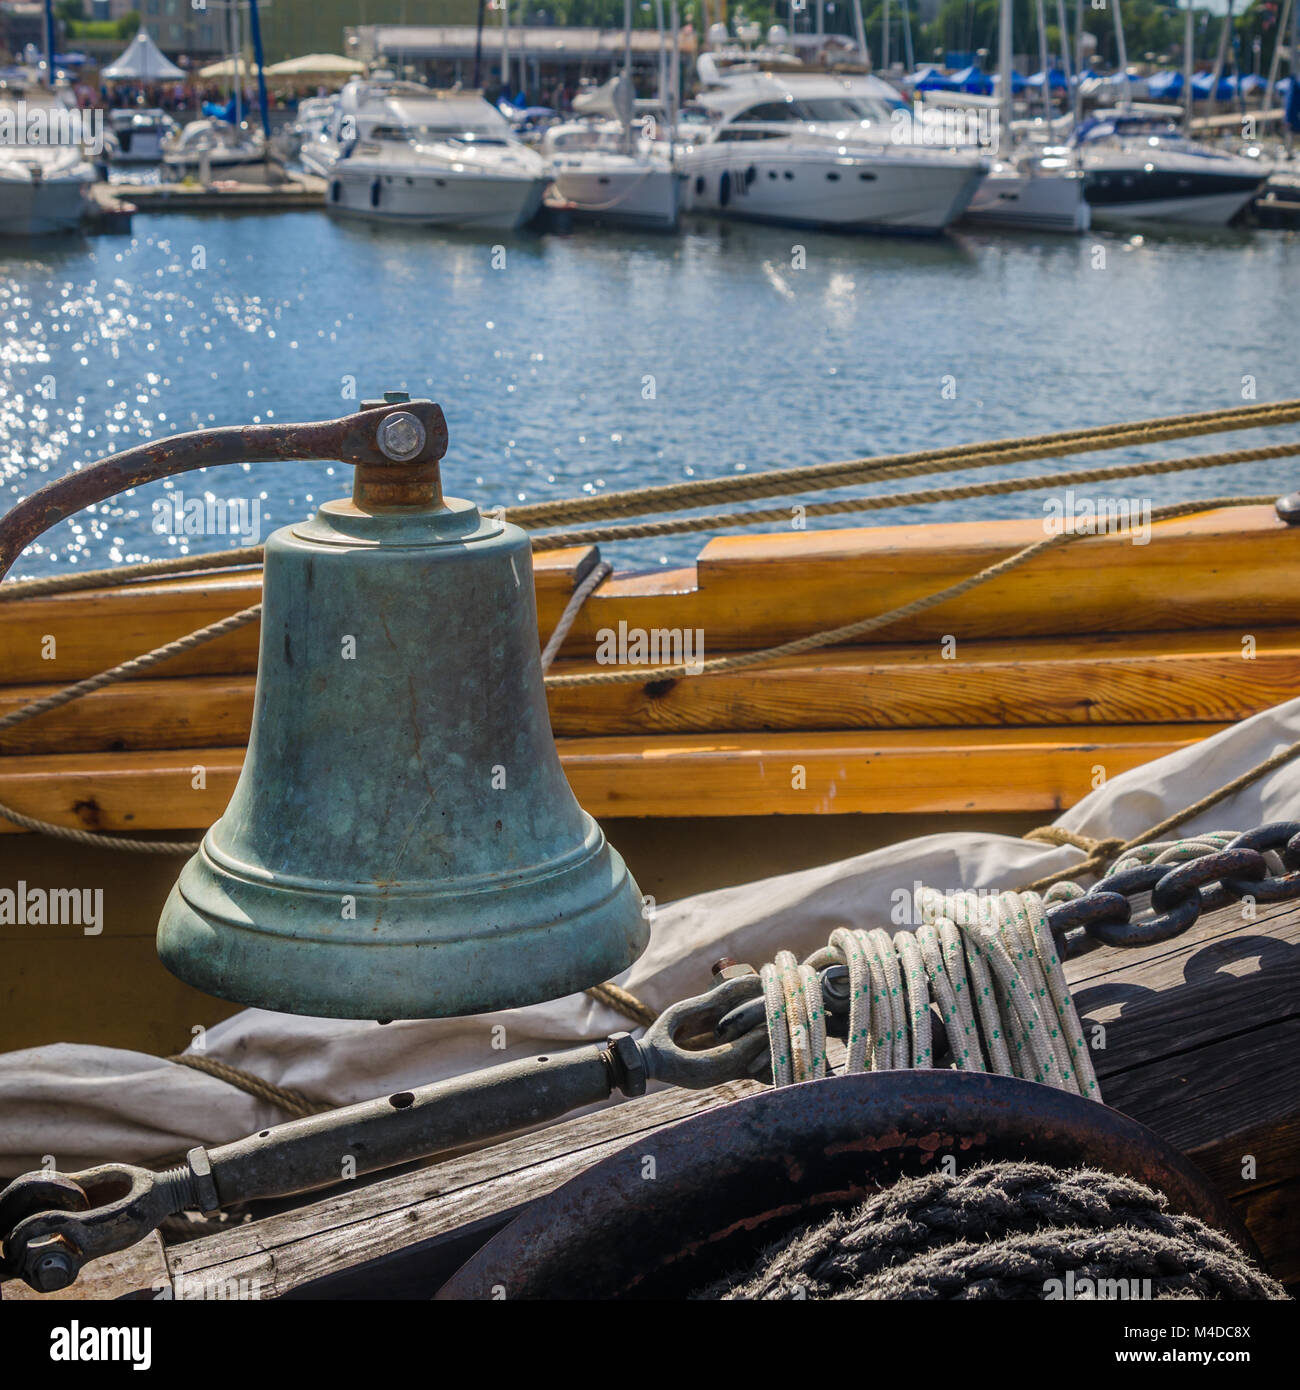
(1200, 1044)
(1097, 657)
(877, 771)
(1204, 571)
(1142, 678)
(98, 628)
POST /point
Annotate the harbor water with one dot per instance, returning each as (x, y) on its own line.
(597, 360)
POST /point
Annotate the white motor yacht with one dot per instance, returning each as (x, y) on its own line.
(1139, 167)
(1034, 192)
(138, 135)
(218, 147)
(612, 176)
(834, 151)
(43, 182)
(310, 124)
(608, 170)
(399, 152)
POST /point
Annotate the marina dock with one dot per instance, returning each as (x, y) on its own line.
(112, 202)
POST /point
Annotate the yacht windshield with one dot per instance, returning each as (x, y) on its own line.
(424, 135)
(837, 110)
(847, 108)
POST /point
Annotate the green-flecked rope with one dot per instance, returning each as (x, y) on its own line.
(1021, 1022)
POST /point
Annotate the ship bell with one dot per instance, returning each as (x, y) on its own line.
(402, 841)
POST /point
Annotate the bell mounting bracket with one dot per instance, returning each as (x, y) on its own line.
(395, 445)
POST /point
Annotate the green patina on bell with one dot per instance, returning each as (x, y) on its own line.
(402, 841)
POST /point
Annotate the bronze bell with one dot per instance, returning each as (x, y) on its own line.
(402, 841)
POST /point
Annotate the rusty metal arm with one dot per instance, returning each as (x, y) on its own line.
(394, 445)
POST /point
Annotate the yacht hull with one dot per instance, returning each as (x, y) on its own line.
(1034, 202)
(444, 198)
(636, 198)
(1211, 200)
(836, 193)
(146, 148)
(41, 207)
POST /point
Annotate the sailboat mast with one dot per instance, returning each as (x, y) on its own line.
(674, 86)
(1070, 81)
(1275, 66)
(49, 44)
(505, 48)
(1122, 56)
(1292, 95)
(1189, 42)
(478, 44)
(1004, 77)
(239, 67)
(860, 30)
(1041, 13)
(255, 28)
(663, 56)
(1078, 61)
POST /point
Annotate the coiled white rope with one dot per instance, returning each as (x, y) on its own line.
(989, 962)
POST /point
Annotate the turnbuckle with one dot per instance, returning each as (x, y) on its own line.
(52, 1224)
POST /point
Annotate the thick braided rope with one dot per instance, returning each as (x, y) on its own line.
(959, 492)
(781, 482)
(770, 483)
(291, 1102)
(1028, 1025)
(1004, 1230)
(241, 558)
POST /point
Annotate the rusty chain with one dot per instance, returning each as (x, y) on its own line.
(1180, 893)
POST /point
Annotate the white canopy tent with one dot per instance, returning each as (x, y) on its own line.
(228, 68)
(316, 65)
(142, 61)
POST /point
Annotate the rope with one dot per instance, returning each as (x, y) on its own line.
(1135, 854)
(122, 574)
(559, 540)
(580, 595)
(780, 482)
(622, 1002)
(997, 949)
(1106, 849)
(293, 1103)
(786, 481)
(1006, 1230)
(128, 670)
(850, 631)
